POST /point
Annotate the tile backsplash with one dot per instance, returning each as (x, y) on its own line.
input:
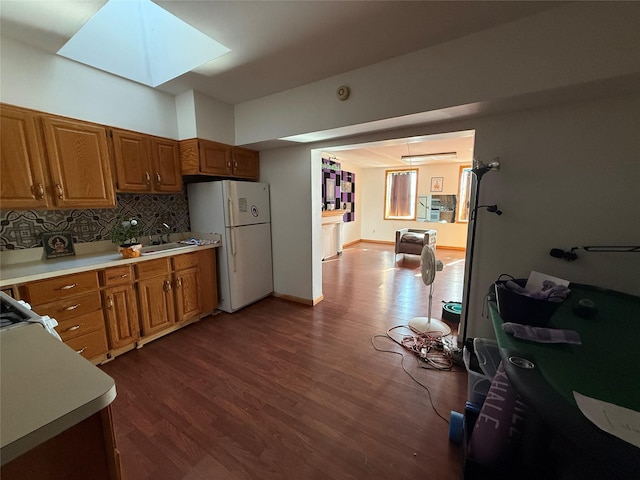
(23, 228)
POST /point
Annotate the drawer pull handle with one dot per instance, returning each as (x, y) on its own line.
(81, 350)
(68, 287)
(148, 178)
(72, 307)
(75, 327)
(124, 275)
(59, 189)
(158, 178)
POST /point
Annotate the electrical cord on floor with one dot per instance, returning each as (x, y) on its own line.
(406, 371)
(427, 347)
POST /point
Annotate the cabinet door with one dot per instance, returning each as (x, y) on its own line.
(121, 309)
(245, 163)
(215, 158)
(187, 292)
(156, 304)
(21, 162)
(78, 156)
(166, 162)
(132, 160)
(208, 282)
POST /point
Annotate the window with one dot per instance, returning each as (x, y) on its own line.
(400, 194)
(464, 194)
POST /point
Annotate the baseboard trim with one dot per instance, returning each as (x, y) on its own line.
(384, 242)
(387, 242)
(304, 301)
(445, 247)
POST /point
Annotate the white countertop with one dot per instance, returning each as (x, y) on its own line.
(29, 271)
(46, 389)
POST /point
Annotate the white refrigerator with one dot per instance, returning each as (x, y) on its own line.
(239, 212)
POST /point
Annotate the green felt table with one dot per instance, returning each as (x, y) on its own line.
(606, 366)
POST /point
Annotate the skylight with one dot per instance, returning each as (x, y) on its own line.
(141, 41)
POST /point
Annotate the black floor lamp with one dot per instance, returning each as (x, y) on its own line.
(478, 170)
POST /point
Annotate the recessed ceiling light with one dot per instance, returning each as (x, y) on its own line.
(141, 41)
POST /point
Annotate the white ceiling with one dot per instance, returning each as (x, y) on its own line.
(388, 153)
(278, 45)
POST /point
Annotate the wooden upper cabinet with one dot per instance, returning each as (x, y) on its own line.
(145, 163)
(245, 163)
(78, 156)
(131, 158)
(205, 157)
(21, 163)
(166, 162)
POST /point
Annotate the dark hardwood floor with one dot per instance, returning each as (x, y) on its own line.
(281, 390)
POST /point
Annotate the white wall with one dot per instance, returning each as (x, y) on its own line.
(290, 175)
(34, 79)
(578, 43)
(375, 227)
(214, 119)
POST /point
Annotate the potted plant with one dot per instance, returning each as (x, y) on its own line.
(126, 235)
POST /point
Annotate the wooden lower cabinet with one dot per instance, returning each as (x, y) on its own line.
(187, 294)
(208, 280)
(104, 313)
(121, 316)
(74, 302)
(85, 451)
(120, 306)
(157, 310)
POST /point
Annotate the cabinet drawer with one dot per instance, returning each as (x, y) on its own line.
(152, 268)
(74, 327)
(116, 275)
(71, 307)
(90, 345)
(44, 291)
(186, 260)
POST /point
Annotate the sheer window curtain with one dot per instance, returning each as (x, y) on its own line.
(401, 191)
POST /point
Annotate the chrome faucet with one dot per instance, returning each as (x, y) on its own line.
(166, 234)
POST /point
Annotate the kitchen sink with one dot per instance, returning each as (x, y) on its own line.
(151, 249)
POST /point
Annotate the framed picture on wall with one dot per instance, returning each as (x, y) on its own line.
(330, 190)
(437, 184)
(57, 244)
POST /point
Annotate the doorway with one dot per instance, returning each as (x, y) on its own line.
(440, 160)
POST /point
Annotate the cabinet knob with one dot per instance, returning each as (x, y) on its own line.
(158, 178)
(59, 190)
(148, 176)
(39, 191)
(178, 283)
(167, 286)
(110, 301)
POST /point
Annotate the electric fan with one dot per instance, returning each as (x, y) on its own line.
(428, 267)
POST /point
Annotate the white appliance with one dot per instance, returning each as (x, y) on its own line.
(239, 212)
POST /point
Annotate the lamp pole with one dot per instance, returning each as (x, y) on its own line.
(478, 172)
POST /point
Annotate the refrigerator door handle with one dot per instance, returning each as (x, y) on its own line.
(231, 194)
(233, 247)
